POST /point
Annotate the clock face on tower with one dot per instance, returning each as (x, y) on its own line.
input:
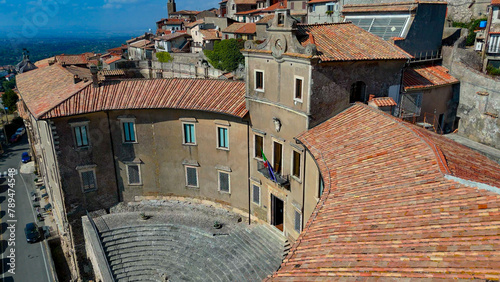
(279, 46)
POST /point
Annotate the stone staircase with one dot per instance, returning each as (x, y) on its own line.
(154, 252)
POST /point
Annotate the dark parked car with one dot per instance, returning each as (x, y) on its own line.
(14, 138)
(25, 157)
(32, 233)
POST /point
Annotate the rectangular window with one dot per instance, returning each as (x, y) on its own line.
(304, 5)
(321, 186)
(298, 89)
(81, 137)
(259, 80)
(256, 194)
(494, 44)
(191, 176)
(88, 180)
(292, 6)
(297, 222)
(128, 132)
(134, 175)
(222, 138)
(296, 164)
(329, 7)
(277, 157)
(189, 135)
(224, 182)
(259, 146)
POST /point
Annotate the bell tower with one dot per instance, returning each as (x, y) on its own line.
(171, 7)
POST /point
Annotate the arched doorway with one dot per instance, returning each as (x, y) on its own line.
(357, 92)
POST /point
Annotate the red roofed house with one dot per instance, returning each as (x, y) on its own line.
(245, 31)
(137, 138)
(299, 77)
(492, 46)
(429, 98)
(323, 11)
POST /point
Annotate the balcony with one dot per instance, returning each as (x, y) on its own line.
(282, 180)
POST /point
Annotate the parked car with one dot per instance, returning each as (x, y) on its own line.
(32, 233)
(25, 157)
(20, 131)
(14, 138)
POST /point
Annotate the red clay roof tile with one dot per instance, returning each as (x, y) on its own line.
(427, 76)
(51, 92)
(384, 102)
(387, 210)
(347, 42)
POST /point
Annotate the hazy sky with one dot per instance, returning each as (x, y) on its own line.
(41, 18)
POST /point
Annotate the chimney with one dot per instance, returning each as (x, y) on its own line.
(371, 97)
(76, 79)
(93, 71)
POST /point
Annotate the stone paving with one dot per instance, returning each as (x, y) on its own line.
(178, 242)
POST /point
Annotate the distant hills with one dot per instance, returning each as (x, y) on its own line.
(11, 51)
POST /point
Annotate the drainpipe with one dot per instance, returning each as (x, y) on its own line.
(113, 158)
(303, 186)
(248, 175)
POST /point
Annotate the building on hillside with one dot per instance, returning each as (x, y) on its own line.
(25, 65)
(236, 6)
(261, 27)
(174, 24)
(245, 31)
(223, 8)
(396, 202)
(323, 11)
(171, 7)
(140, 138)
(416, 27)
(429, 98)
(207, 14)
(253, 16)
(189, 16)
(112, 62)
(300, 76)
(79, 60)
(172, 41)
(298, 9)
(492, 42)
(141, 48)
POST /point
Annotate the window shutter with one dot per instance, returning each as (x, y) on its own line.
(133, 174)
(256, 194)
(85, 141)
(192, 179)
(297, 221)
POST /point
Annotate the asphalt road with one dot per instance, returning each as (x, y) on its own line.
(31, 260)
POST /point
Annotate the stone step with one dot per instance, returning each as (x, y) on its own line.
(151, 236)
(253, 250)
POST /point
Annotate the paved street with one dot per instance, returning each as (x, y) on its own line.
(30, 259)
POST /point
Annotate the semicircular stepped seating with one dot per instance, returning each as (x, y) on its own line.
(182, 253)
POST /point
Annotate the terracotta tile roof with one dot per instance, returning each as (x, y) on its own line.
(266, 19)
(113, 59)
(185, 12)
(277, 5)
(427, 76)
(80, 59)
(44, 62)
(233, 27)
(50, 92)
(248, 28)
(384, 102)
(347, 42)
(174, 21)
(44, 88)
(495, 2)
(388, 212)
(171, 36)
(245, 2)
(387, 7)
(210, 34)
(255, 11)
(112, 72)
(195, 23)
(141, 43)
(82, 73)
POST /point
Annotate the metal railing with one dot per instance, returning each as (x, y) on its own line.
(282, 180)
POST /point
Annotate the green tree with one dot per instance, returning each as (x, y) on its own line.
(164, 57)
(226, 55)
(9, 99)
(9, 84)
(471, 26)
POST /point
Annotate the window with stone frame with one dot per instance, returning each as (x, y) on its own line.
(224, 182)
(256, 194)
(134, 174)
(88, 180)
(192, 176)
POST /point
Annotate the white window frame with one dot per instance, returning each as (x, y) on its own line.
(184, 134)
(80, 124)
(228, 181)
(217, 137)
(197, 176)
(255, 144)
(128, 120)
(260, 194)
(296, 211)
(295, 78)
(255, 80)
(298, 178)
(139, 172)
(87, 169)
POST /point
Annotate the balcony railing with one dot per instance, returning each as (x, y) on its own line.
(282, 180)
